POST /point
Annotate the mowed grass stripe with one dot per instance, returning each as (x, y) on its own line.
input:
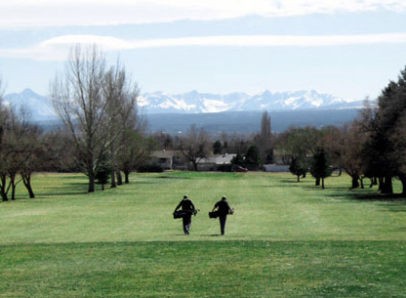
(205, 269)
(267, 207)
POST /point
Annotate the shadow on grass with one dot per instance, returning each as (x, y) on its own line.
(172, 177)
(59, 194)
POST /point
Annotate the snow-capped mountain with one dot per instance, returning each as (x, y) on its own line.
(195, 102)
(39, 107)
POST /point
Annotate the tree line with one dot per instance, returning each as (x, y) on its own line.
(104, 135)
(372, 147)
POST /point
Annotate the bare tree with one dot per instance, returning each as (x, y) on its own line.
(195, 145)
(122, 111)
(5, 112)
(88, 108)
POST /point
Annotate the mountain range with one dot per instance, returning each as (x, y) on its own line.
(194, 102)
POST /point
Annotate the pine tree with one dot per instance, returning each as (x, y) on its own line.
(321, 167)
(298, 167)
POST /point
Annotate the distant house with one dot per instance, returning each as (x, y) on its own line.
(213, 162)
(167, 160)
(174, 160)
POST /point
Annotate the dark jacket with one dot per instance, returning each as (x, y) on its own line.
(186, 204)
(223, 207)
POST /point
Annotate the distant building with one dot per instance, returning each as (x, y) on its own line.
(167, 160)
(174, 160)
(213, 162)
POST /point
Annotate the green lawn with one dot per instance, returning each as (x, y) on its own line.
(285, 239)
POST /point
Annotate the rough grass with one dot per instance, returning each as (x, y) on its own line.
(285, 239)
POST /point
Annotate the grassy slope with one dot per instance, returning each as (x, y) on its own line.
(285, 239)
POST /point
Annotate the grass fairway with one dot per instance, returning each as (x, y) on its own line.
(285, 239)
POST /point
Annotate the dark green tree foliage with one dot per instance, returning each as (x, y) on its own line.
(103, 174)
(298, 167)
(238, 160)
(252, 158)
(321, 167)
(385, 149)
(217, 147)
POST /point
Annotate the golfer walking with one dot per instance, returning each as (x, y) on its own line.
(223, 209)
(187, 205)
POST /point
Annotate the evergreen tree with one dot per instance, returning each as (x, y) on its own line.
(217, 148)
(252, 158)
(238, 160)
(298, 167)
(320, 168)
(102, 173)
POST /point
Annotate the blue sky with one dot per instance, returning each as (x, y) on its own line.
(349, 48)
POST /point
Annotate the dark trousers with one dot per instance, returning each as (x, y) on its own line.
(187, 221)
(223, 219)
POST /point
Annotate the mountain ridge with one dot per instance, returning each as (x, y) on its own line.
(194, 102)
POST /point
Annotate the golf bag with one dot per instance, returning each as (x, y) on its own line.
(214, 214)
(183, 213)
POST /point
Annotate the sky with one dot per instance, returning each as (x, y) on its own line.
(347, 48)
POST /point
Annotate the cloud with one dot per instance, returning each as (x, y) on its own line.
(42, 13)
(58, 48)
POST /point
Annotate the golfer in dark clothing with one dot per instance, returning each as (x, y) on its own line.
(223, 209)
(187, 206)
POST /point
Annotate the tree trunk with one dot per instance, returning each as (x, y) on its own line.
(195, 166)
(91, 182)
(322, 183)
(298, 178)
(317, 181)
(387, 187)
(361, 180)
(402, 178)
(3, 192)
(354, 181)
(381, 183)
(113, 179)
(102, 186)
(27, 184)
(126, 177)
(119, 178)
(3, 195)
(13, 191)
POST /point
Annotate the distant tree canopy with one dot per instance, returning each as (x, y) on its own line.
(298, 167)
(217, 147)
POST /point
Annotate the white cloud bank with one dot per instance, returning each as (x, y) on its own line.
(42, 13)
(58, 48)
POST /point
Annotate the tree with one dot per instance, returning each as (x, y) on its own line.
(103, 171)
(122, 112)
(134, 151)
(384, 125)
(195, 145)
(263, 140)
(354, 140)
(4, 125)
(88, 101)
(238, 160)
(321, 167)
(298, 167)
(217, 147)
(252, 158)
